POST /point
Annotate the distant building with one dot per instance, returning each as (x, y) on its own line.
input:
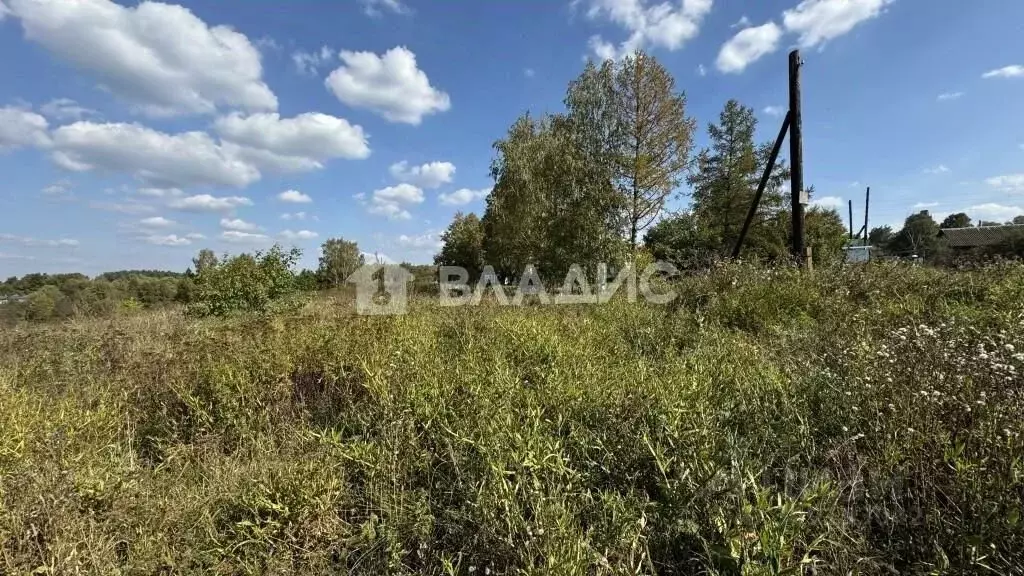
(979, 236)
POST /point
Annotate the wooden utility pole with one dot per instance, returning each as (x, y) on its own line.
(851, 221)
(867, 204)
(796, 157)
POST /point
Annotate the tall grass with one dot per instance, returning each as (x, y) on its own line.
(863, 421)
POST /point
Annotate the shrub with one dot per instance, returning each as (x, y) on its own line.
(246, 282)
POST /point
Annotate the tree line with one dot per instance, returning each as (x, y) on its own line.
(591, 184)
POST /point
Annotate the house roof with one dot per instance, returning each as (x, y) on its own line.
(979, 236)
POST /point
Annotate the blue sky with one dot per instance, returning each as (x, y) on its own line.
(134, 134)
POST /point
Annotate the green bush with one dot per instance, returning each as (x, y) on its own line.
(244, 283)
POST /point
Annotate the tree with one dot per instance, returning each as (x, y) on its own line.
(826, 234)
(246, 282)
(553, 204)
(880, 236)
(1018, 220)
(958, 220)
(338, 260)
(725, 180)
(463, 245)
(205, 259)
(919, 236)
(678, 239)
(653, 141)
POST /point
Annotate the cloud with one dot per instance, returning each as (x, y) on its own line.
(390, 85)
(208, 203)
(463, 196)
(168, 240)
(195, 236)
(994, 212)
(925, 205)
(300, 235)
(945, 96)
(158, 159)
(293, 216)
(376, 8)
(310, 63)
(238, 224)
(29, 241)
(430, 175)
(389, 201)
(828, 202)
(292, 144)
(743, 22)
(774, 110)
(156, 222)
(240, 237)
(701, 70)
(294, 196)
(1014, 71)
(160, 192)
(65, 109)
(20, 128)
(940, 169)
(58, 188)
(1007, 182)
(747, 46)
(649, 24)
(429, 241)
(160, 57)
(131, 206)
(818, 21)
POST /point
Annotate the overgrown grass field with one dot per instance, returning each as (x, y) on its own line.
(858, 421)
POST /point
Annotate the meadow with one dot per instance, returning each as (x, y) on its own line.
(864, 420)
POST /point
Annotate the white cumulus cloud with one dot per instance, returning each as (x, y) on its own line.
(310, 63)
(376, 8)
(430, 175)
(168, 240)
(428, 241)
(238, 224)
(774, 110)
(240, 237)
(828, 202)
(20, 128)
(994, 212)
(391, 85)
(65, 109)
(1013, 71)
(304, 142)
(1007, 182)
(946, 96)
(747, 46)
(160, 57)
(208, 203)
(156, 222)
(818, 21)
(294, 196)
(649, 24)
(463, 196)
(299, 235)
(159, 159)
(390, 201)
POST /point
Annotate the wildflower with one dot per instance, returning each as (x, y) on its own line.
(845, 429)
